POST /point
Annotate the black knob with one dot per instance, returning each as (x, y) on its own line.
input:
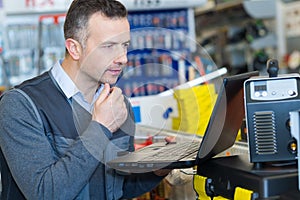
(272, 66)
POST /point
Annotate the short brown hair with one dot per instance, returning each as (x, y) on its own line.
(80, 11)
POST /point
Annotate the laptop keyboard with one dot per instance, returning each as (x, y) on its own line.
(174, 151)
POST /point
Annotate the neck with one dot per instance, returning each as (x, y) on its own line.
(86, 87)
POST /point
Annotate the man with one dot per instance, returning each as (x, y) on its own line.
(59, 129)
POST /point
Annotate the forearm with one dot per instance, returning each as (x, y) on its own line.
(138, 184)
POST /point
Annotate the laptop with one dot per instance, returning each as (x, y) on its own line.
(224, 124)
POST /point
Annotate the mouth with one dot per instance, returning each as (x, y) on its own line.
(114, 72)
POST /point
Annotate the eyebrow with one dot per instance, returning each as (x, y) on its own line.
(128, 41)
(112, 42)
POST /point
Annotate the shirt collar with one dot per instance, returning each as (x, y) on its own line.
(63, 80)
(69, 88)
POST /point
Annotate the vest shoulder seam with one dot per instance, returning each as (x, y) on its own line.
(31, 103)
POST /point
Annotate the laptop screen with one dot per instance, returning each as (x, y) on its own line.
(226, 118)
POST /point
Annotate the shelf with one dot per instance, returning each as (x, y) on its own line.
(211, 6)
(140, 5)
(228, 5)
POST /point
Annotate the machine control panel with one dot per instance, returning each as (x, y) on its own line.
(268, 90)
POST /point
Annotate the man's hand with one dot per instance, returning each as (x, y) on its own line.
(110, 109)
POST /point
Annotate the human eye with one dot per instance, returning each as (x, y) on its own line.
(108, 45)
(126, 45)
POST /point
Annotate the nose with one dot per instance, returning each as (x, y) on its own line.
(122, 58)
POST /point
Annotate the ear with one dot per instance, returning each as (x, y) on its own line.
(74, 48)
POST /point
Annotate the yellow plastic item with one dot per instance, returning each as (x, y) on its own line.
(220, 198)
(199, 186)
(242, 194)
(195, 106)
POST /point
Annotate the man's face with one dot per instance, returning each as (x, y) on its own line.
(105, 53)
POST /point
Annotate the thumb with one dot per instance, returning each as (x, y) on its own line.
(104, 93)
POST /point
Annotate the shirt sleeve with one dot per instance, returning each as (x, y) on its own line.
(31, 159)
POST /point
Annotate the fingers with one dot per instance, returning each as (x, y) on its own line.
(104, 93)
(170, 139)
(110, 109)
(116, 94)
